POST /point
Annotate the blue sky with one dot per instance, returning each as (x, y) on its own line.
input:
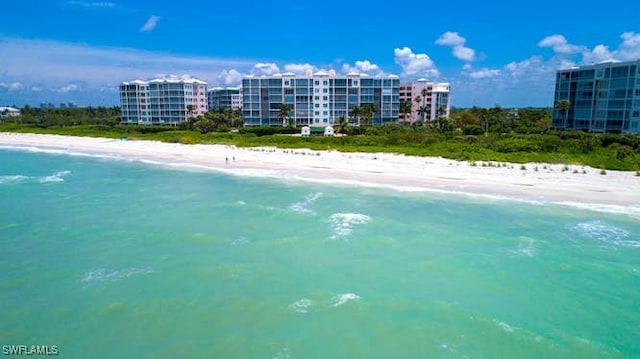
(492, 52)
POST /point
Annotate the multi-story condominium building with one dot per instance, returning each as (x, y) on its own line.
(229, 98)
(162, 101)
(434, 99)
(603, 97)
(318, 99)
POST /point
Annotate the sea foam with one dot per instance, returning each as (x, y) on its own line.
(103, 275)
(342, 299)
(303, 206)
(604, 232)
(342, 223)
(301, 305)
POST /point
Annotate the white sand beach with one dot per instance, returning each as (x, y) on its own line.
(554, 183)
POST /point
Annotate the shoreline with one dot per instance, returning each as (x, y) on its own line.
(578, 186)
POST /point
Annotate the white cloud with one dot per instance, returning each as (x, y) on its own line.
(36, 88)
(456, 42)
(230, 78)
(364, 66)
(67, 88)
(299, 69)
(150, 24)
(91, 4)
(414, 65)
(451, 39)
(262, 68)
(630, 47)
(484, 73)
(13, 86)
(560, 45)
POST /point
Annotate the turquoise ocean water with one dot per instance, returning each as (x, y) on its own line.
(107, 258)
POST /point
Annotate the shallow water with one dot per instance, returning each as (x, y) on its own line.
(110, 258)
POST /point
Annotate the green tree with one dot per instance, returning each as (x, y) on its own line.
(563, 107)
(285, 115)
(418, 100)
(422, 111)
(368, 110)
(405, 108)
(341, 125)
(356, 114)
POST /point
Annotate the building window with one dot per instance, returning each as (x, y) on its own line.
(317, 98)
(325, 90)
(316, 83)
(325, 83)
(324, 105)
(317, 105)
(325, 98)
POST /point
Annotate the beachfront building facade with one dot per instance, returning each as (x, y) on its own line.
(319, 99)
(229, 98)
(434, 100)
(603, 97)
(166, 101)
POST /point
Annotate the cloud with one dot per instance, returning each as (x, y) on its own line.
(150, 24)
(263, 68)
(484, 73)
(67, 88)
(364, 66)
(560, 45)
(300, 69)
(456, 42)
(91, 4)
(451, 39)
(414, 65)
(628, 49)
(230, 77)
(13, 86)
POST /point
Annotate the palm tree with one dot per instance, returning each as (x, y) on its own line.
(368, 111)
(342, 124)
(564, 106)
(190, 109)
(424, 94)
(418, 99)
(356, 113)
(405, 108)
(285, 115)
(422, 111)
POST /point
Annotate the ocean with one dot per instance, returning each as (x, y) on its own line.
(108, 258)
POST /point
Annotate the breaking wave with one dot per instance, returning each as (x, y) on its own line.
(104, 275)
(342, 223)
(344, 298)
(604, 232)
(301, 305)
(303, 206)
(56, 177)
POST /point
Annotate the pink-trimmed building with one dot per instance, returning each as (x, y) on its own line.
(434, 98)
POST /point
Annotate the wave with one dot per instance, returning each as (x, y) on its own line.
(303, 206)
(301, 305)
(55, 177)
(12, 179)
(296, 175)
(342, 299)
(601, 231)
(103, 275)
(525, 248)
(342, 223)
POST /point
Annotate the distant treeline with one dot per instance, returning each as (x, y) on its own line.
(475, 134)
